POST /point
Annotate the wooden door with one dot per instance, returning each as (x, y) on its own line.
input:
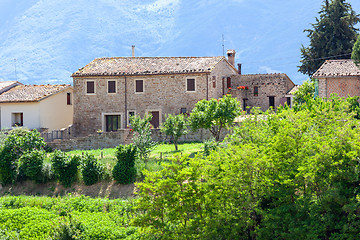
(155, 121)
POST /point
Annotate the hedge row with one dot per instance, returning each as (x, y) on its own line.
(23, 157)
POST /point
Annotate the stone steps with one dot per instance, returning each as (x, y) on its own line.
(128, 139)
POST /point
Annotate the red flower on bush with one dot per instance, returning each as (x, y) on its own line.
(243, 87)
(131, 129)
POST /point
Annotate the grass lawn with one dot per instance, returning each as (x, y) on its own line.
(163, 150)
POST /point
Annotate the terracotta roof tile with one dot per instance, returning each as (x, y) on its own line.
(30, 93)
(337, 68)
(147, 66)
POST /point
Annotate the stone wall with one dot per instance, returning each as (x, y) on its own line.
(269, 85)
(95, 141)
(343, 86)
(113, 139)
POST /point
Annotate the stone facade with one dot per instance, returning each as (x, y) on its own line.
(274, 86)
(163, 93)
(338, 76)
(342, 86)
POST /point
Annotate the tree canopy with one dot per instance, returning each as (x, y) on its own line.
(332, 37)
(175, 126)
(215, 114)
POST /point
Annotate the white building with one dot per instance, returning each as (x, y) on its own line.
(37, 106)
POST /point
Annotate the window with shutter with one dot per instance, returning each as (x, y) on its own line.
(90, 87)
(256, 91)
(139, 86)
(68, 98)
(190, 85)
(111, 87)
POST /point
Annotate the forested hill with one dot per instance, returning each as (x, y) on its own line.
(46, 41)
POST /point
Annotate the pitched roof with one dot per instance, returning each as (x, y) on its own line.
(118, 66)
(264, 75)
(293, 90)
(6, 85)
(337, 68)
(30, 93)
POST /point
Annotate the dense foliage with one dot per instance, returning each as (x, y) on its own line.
(289, 175)
(305, 90)
(31, 165)
(142, 135)
(332, 37)
(175, 126)
(124, 171)
(18, 142)
(65, 167)
(355, 55)
(92, 169)
(215, 114)
(65, 218)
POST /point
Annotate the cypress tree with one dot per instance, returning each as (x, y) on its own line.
(332, 37)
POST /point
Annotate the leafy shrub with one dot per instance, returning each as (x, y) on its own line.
(16, 144)
(124, 171)
(65, 167)
(92, 169)
(142, 135)
(209, 146)
(31, 165)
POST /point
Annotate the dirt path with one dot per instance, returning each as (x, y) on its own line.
(102, 189)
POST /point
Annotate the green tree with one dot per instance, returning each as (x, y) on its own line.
(215, 114)
(292, 173)
(142, 138)
(304, 91)
(332, 37)
(18, 142)
(355, 55)
(175, 126)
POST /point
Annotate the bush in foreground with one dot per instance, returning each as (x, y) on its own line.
(124, 171)
(92, 169)
(65, 167)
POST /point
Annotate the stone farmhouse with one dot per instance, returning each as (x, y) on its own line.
(338, 76)
(107, 91)
(42, 107)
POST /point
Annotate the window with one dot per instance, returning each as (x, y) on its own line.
(17, 119)
(139, 86)
(68, 98)
(228, 82)
(131, 113)
(112, 122)
(288, 101)
(272, 102)
(256, 91)
(90, 87)
(190, 87)
(183, 111)
(214, 81)
(111, 87)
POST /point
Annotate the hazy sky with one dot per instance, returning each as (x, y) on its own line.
(47, 40)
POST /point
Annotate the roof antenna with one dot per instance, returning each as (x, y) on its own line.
(223, 45)
(15, 69)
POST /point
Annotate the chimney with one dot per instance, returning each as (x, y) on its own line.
(133, 50)
(239, 68)
(231, 56)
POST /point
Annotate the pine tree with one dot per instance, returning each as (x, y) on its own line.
(356, 52)
(332, 37)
